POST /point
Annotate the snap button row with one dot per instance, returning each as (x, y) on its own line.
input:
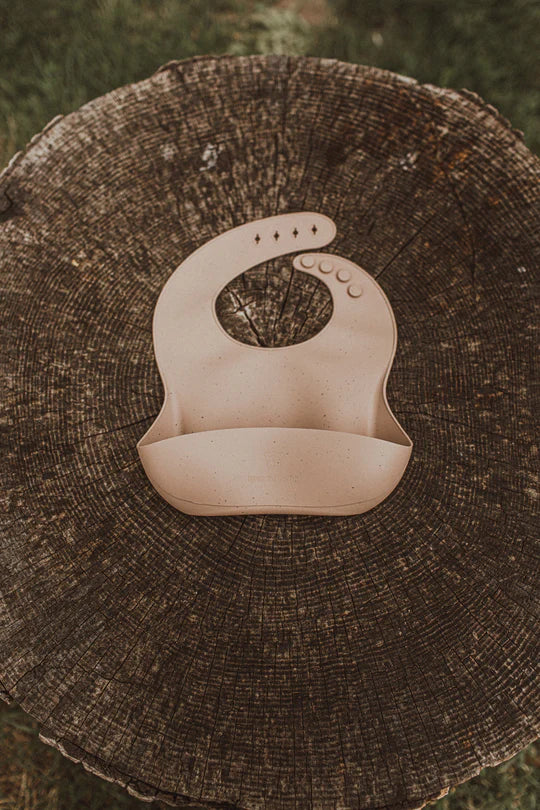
(343, 275)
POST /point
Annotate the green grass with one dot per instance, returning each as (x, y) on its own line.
(487, 46)
(57, 54)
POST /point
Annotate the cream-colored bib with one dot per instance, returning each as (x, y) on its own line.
(303, 429)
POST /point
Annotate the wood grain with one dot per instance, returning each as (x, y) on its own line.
(279, 662)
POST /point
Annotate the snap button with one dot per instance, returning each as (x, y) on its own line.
(354, 291)
(343, 275)
(325, 266)
(307, 261)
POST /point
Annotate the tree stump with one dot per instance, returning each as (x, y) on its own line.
(271, 661)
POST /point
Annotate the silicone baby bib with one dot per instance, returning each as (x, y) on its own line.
(301, 429)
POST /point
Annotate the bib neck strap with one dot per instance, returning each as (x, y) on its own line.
(200, 278)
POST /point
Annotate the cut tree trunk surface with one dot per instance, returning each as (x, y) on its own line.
(271, 661)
